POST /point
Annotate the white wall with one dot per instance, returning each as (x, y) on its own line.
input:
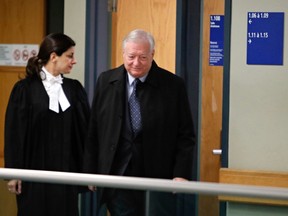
(258, 124)
(74, 26)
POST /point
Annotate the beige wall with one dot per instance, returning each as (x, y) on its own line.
(74, 26)
(258, 98)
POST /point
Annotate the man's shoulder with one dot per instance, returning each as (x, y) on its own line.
(112, 72)
(162, 71)
(111, 76)
(167, 75)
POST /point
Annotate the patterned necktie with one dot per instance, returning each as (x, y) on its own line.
(134, 107)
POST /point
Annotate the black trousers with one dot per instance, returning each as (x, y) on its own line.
(126, 203)
(133, 203)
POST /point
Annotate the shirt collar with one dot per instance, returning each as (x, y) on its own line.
(131, 78)
(49, 76)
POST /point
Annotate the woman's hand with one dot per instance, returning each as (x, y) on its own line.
(15, 186)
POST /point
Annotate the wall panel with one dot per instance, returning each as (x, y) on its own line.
(22, 21)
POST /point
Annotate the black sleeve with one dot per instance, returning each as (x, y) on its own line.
(16, 125)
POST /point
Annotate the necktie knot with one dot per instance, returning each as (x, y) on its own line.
(135, 83)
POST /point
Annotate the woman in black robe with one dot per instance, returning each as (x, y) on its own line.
(45, 129)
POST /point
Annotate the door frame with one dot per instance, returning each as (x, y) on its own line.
(98, 52)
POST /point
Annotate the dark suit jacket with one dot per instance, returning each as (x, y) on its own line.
(168, 133)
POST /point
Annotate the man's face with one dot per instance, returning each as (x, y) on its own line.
(138, 58)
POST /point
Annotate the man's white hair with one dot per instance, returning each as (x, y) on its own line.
(139, 35)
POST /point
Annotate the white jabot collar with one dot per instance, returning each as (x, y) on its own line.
(53, 87)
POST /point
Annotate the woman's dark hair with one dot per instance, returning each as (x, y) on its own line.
(55, 42)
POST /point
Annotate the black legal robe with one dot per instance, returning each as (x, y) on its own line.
(38, 138)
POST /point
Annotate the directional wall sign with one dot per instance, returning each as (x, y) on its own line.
(216, 40)
(265, 38)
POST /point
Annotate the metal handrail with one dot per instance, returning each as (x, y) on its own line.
(149, 184)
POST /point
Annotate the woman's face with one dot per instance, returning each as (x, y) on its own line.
(65, 62)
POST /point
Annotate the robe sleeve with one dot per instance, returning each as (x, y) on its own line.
(83, 107)
(16, 123)
(81, 119)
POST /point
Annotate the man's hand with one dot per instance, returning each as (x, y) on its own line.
(179, 179)
(92, 188)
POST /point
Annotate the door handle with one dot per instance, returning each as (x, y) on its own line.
(217, 151)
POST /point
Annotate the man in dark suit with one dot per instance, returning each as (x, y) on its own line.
(161, 145)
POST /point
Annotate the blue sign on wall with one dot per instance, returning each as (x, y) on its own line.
(265, 38)
(216, 40)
